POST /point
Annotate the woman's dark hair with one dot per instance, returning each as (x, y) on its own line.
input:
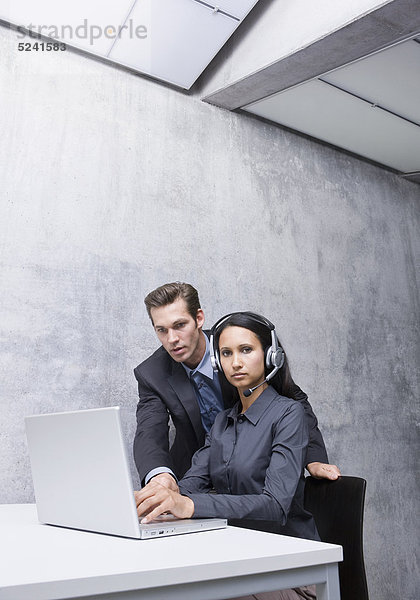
(282, 382)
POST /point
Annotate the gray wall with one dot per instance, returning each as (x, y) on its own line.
(112, 184)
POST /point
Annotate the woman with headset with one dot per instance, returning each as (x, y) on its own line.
(254, 455)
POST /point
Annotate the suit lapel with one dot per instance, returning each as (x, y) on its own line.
(183, 389)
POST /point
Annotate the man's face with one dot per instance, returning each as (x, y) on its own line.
(178, 333)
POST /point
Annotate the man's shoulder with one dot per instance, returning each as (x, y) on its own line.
(159, 361)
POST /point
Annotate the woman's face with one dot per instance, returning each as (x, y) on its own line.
(241, 357)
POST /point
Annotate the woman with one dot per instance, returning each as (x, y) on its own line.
(254, 455)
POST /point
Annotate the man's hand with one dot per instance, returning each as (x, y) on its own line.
(166, 480)
(155, 499)
(323, 471)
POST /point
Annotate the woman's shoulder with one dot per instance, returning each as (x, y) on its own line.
(285, 405)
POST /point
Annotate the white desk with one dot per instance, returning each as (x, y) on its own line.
(40, 562)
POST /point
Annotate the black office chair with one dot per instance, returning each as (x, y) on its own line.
(337, 507)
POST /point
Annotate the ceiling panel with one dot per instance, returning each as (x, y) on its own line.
(236, 8)
(390, 78)
(331, 115)
(173, 40)
(183, 37)
(77, 22)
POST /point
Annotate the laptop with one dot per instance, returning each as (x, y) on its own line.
(82, 479)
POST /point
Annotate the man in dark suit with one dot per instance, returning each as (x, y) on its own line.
(178, 381)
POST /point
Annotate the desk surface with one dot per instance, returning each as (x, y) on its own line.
(50, 562)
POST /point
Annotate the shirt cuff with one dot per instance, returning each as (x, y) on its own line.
(157, 471)
(203, 505)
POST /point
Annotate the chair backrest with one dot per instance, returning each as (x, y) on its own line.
(337, 507)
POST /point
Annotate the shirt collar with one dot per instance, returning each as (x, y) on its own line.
(204, 367)
(257, 408)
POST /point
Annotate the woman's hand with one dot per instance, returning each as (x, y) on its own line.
(155, 499)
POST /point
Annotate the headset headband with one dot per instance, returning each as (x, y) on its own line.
(258, 318)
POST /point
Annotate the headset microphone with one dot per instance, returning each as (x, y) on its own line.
(248, 392)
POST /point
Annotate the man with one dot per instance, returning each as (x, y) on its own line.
(178, 381)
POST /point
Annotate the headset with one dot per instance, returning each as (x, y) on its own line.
(274, 354)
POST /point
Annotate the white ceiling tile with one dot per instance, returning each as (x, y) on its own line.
(183, 36)
(390, 78)
(331, 115)
(80, 23)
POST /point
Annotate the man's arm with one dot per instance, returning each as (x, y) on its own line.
(316, 457)
(151, 441)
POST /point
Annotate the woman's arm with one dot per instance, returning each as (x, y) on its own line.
(290, 439)
(282, 476)
(197, 479)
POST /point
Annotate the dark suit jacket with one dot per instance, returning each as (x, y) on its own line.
(164, 389)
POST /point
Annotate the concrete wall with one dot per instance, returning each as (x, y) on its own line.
(112, 184)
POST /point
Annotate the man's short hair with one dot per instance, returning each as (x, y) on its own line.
(169, 293)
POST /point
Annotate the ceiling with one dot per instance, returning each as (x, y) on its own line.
(171, 40)
(370, 107)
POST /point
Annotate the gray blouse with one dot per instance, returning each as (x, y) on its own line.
(255, 463)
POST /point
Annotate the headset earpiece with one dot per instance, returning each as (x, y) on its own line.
(214, 356)
(274, 354)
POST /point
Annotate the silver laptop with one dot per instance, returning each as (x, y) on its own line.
(82, 479)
